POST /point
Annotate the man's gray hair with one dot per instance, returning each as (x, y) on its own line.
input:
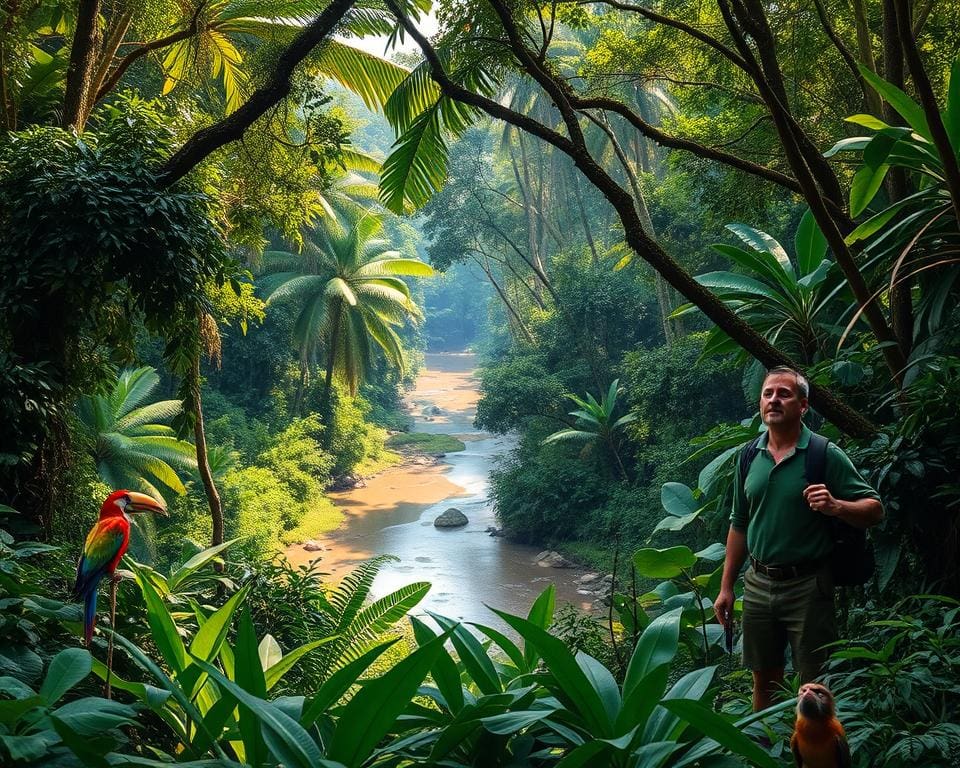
(803, 386)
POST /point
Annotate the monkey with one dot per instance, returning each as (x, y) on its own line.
(818, 740)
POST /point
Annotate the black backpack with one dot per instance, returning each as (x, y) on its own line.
(852, 559)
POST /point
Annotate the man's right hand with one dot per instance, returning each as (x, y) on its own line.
(723, 606)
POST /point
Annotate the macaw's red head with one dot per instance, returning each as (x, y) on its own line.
(131, 502)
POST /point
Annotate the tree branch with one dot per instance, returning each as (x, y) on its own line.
(892, 352)
(842, 49)
(929, 103)
(205, 142)
(146, 48)
(847, 419)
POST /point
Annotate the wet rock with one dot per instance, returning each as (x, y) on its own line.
(432, 410)
(348, 482)
(452, 518)
(550, 559)
(494, 531)
(313, 546)
(589, 578)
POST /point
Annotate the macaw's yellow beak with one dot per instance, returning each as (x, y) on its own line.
(140, 502)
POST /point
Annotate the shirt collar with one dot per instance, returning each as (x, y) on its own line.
(802, 442)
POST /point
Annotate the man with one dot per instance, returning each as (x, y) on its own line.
(784, 525)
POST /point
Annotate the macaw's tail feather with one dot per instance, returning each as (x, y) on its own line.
(89, 613)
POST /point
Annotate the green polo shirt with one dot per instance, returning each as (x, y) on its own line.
(781, 529)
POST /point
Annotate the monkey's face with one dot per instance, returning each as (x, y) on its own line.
(815, 701)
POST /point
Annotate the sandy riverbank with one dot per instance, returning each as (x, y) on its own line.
(405, 490)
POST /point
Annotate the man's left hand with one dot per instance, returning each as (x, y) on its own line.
(819, 498)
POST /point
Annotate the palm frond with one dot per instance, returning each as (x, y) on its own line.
(372, 78)
(154, 413)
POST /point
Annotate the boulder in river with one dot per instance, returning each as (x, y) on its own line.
(452, 518)
(550, 559)
(494, 531)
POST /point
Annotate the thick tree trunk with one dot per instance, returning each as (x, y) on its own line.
(83, 54)
(865, 52)
(896, 183)
(326, 410)
(203, 462)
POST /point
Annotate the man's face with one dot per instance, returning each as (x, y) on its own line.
(780, 401)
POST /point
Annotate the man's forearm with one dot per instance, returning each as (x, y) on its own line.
(735, 557)
(861, 513)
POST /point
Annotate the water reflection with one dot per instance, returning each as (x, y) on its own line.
(466, 566)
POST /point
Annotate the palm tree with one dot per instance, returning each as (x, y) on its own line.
(595, 424)
(347, 286)
(130, 443)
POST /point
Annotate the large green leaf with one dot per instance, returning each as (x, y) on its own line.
(285, 737)
(248, 675)
(579, 691)
(92, 715)
(663, 724)
(66, 669)
(866, 184)
(373, 711)
(472, 655)
(178, 693)
(162, 626)
(663, 563)
(211, 634)
(541, 614)
(371, 77)
(340, 682)
(733, 282)
(655, 649)
(810, 243)
(275, 672)
(677, 499)
(714, 726)
(444, 672)
(906, 107)
(195, 563)
(417, 165)
(761, 241)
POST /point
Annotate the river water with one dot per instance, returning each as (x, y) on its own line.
(394, 514)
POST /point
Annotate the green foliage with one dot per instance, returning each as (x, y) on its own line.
(37, 729)
(545, 494)
(896, 684)
(348, 291)
(426, 442)
(515, 391)
(911, 240)
(792, 302)
(99, 250)
(910, 464)
(595, 424)
(130, 443)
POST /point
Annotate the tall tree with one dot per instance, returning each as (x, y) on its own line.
(350, 296)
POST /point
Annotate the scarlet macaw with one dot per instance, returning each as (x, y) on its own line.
(105, 545)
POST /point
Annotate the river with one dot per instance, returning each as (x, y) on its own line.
(394, 514)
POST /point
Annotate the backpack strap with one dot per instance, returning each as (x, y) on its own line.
(747, 455)
(815, 466)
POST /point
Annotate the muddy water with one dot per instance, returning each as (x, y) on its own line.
(394, 515)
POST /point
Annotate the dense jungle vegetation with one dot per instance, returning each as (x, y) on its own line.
(228, 233)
